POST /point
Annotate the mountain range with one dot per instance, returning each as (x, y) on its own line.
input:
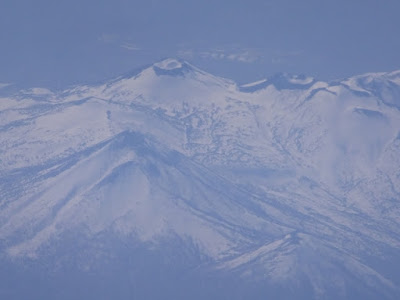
(173, 183)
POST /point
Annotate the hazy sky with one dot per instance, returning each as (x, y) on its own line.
(57, 43)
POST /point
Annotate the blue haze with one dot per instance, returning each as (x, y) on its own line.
(55, 44)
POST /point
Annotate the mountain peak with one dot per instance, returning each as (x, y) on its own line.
(169, 64)
(171, 67)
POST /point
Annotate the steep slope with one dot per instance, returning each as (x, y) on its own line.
(288, 182)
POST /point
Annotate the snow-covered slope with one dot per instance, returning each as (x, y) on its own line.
(287, 182)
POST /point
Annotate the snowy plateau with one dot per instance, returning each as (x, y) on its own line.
(172, 183)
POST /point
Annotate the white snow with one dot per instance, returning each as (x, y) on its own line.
(299, 80)
(38, 91)
(253, 83)
(169, 64)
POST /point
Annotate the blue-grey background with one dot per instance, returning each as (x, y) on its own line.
(58, 43)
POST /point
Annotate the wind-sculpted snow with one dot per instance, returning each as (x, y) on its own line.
(285, 188)
(281, 81)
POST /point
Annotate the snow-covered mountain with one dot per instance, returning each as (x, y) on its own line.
(174, 183)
